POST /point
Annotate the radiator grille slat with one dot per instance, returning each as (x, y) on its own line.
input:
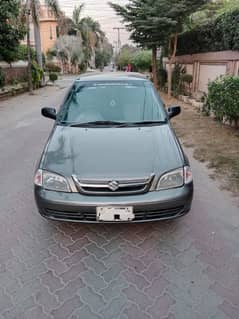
(113, 187)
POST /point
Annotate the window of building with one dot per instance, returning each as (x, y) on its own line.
(50, 13)
(51, 36)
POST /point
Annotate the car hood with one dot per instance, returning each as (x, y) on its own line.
(130, 152)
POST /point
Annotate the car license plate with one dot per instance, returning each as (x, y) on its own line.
(114, 213)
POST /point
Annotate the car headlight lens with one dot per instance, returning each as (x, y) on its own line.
(51, 181)
(171, 179)
(175, 178)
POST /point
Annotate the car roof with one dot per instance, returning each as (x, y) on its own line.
(112, 76)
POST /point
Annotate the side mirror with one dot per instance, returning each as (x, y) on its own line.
(173, 111)
(49, 112)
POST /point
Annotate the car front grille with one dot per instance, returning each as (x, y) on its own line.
(67, 215)
(90, 216)
(159, 214)
(113, 187)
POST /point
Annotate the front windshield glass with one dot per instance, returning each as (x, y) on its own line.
(122, 102)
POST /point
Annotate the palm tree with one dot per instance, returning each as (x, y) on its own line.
(69, 50)
(77, 23)
(79, 28)
(34, 6)
(90, 32)
(94, 37)
(65, 25)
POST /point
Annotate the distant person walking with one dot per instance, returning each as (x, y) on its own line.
(129, 68)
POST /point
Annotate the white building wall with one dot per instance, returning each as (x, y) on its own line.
(209, 72)
(208, 66)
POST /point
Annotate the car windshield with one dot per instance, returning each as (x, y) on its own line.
(112, 102)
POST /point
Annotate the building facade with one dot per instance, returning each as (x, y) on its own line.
(48, 29)
(206, 67)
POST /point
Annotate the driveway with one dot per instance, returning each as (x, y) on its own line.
(182, 269)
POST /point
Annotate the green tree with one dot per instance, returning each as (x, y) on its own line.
(90, 32)
(69, 50)
(124, 57)
(21, 53)
(103, 55)
(205, 14)
(209, 12)
(93, 36)
(148, 28)
(178, 11)
(92, 45)
(77, 26)
(154, 23)
(11, 29)
(227, 5)
(142, 60)
(218, 34)
(65, 25)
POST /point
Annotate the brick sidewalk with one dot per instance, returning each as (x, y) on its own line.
(175, 269)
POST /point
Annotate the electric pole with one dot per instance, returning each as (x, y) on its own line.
(119, 41)
(115, 47)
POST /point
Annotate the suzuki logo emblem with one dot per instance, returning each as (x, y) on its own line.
(113, 186)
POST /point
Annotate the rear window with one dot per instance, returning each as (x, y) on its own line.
(134, 101)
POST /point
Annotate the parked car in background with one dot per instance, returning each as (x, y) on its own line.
(112, 155)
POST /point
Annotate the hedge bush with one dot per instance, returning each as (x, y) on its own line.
(218, 35)
(223, 98)
(52, 67)
(37, 75)
(53, 77)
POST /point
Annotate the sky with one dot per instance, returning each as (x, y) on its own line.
(100, 11)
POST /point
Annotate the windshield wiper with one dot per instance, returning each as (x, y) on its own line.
(96, 123)
(114, 123)
(142, 123)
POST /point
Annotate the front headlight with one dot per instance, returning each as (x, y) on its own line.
(175, 178)
(171, 179)
(51, 181)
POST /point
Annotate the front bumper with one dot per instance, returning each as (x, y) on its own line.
(152, 206)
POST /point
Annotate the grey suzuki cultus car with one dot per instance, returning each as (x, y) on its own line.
(112, 155)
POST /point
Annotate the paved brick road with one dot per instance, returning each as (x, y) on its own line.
(184, 269)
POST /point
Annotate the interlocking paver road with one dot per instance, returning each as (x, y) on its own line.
(184, 269)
